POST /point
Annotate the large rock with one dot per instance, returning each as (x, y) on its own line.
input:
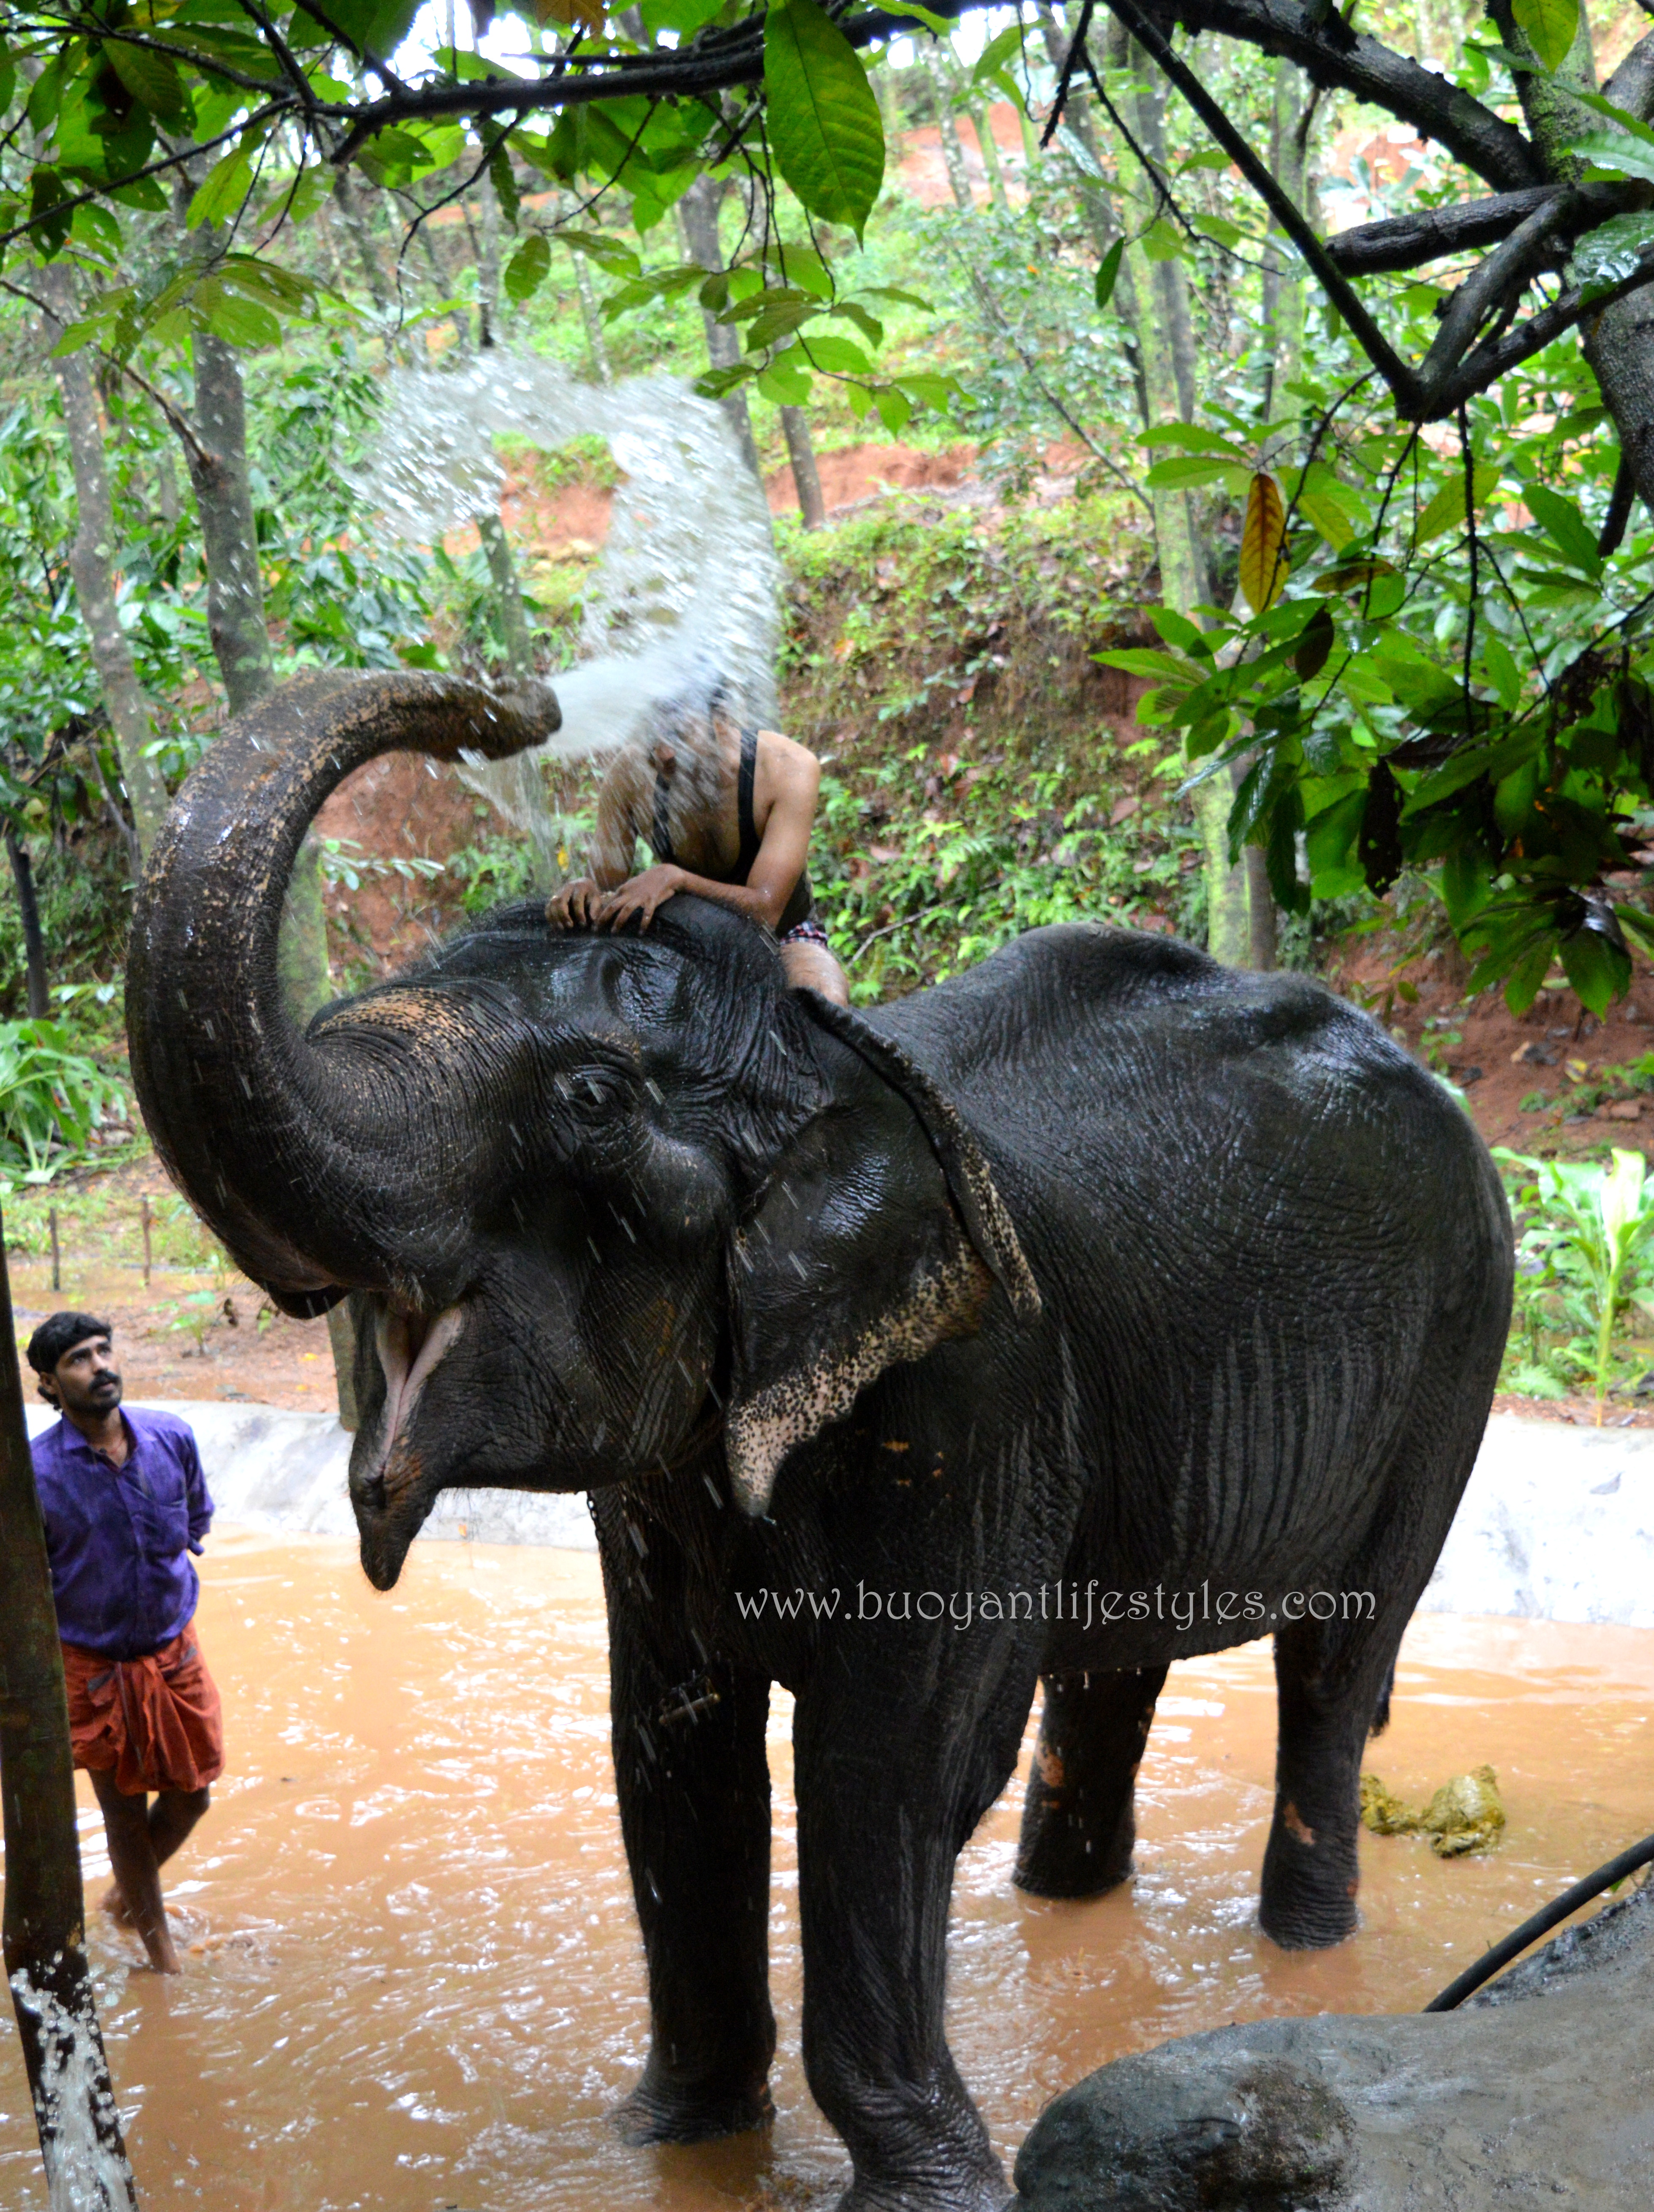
(1539, 2090)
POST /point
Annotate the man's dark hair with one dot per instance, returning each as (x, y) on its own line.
(61, 1333)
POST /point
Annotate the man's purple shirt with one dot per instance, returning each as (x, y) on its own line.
(120, 1537)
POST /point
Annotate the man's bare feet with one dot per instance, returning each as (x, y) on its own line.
(113, 1902)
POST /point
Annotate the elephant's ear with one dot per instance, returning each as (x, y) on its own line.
(880, 1234)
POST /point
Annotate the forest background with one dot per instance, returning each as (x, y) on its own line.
(1271, 567)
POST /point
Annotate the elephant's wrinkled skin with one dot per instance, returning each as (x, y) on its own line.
(623, 1214)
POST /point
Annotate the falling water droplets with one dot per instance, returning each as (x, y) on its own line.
(684, 601)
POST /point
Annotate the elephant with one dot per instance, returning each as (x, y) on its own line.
(1049, 1307)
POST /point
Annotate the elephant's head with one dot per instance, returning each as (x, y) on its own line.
(596, 1196)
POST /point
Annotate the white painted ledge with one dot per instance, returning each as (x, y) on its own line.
(1557, 1524)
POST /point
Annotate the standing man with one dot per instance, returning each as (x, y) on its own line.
(124, 1503)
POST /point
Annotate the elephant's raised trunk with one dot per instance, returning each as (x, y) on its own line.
(294, 1146)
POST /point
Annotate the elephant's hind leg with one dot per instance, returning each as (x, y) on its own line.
(1332, 1683)
(1078, 1822)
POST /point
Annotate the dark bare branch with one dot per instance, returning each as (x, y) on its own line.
(1498, 281)
(1632, 85)
(1407, 241)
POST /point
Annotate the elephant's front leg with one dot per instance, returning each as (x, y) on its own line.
(1078, 1821)
(694, 1788)
(882, 1817)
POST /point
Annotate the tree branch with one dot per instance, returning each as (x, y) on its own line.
(1402, 380)
(1308, 33)
(1405, 241)
(1500, 279)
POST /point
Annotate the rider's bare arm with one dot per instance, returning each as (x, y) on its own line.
(788, 780)
(609, 858)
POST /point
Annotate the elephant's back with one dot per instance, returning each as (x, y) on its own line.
(1266, 1241)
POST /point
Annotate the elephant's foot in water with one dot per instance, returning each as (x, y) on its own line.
(1079, 1825)
(1064, 1856)
(1311, 1876)
(661, 2111)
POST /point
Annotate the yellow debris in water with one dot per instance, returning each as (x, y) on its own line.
(1465, 1814)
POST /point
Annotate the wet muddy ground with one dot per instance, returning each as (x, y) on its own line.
(413, 1978)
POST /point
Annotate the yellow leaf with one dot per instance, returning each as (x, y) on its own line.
(1262, 557)
(589, 15)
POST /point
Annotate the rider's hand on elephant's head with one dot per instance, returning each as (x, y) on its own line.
(574, 905)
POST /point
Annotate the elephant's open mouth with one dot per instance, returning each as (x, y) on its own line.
(389, 1487)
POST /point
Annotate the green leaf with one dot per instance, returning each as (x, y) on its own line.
(239, 321)
(1505, 676)
(1548, 26)
(528, 268)
(608, 253)
(1108, 274)
(824, 125)
(1445, 510)
(717, 381)
(1622, 115)
(1565, 527)
(779, 314)
(1418, 684)
(927, 390)
(1608, 150)
(1142, 661)
(683, 16)
(1219, 228)
(995, 54)
(1324, 514)
(798, 266)
(503, 179)
(1163, 240)
(1598, 969)
(869, 325)
(1191, 471)
(151, 78)
(786, 382)
(1196, 440)
(836, 356)
(894, 408)
(221, 191)
(939, 24)
(1613, 251)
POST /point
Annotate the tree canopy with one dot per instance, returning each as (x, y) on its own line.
(1439, 655)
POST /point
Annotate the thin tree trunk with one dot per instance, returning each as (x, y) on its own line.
(487, 268)
(953, 160)
(806, 476)
(223, 497)
(502, 570)
(91, 557)
(1185, 584)
(355, 215)
(1171, 282)
(592, 318)
(697, 219)
(1096, 207)
(28, 911)
(45, 1933)
(978, 113)
(1283, 276)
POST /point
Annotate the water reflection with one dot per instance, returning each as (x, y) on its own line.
(413, 1976)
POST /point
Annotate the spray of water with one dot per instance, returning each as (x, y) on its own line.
(682, 608)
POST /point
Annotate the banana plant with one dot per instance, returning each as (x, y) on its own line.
(1595, 1223)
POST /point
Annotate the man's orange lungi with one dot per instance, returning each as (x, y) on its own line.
(154, 1722)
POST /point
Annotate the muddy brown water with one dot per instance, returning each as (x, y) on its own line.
(413, 1978)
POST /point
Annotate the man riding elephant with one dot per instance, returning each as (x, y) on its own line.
(1096, 1266)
